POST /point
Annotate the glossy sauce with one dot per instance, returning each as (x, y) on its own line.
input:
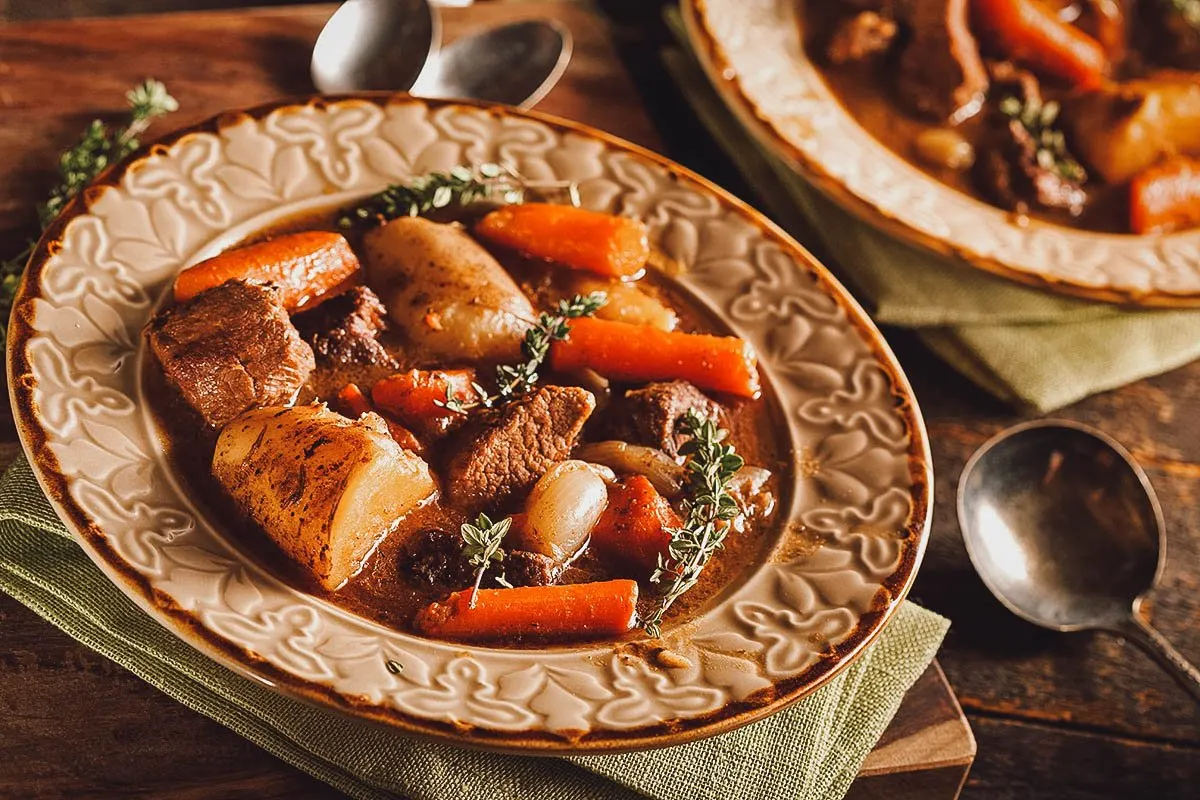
(382, 591)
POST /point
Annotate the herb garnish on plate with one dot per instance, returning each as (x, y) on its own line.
(99, 147)
(481, 546)
(513, 381)
(708, 508)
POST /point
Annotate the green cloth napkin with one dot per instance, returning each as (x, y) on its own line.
(810, 751)
(1027, 347)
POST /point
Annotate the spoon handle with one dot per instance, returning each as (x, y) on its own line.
(1138, 630)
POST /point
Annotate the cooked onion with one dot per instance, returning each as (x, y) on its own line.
(657, 466)
(943, 147)
(749, 488)
(562, 509)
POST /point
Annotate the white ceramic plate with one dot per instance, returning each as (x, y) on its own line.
(751, 51)
(851, 536)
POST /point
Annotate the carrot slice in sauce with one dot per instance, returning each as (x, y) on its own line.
(627, 352)
(309, 266)
(574, 237)
(576, 610)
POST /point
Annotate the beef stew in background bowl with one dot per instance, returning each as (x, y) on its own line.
(300, 442)
(1048, 141)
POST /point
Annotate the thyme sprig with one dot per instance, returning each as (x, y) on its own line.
(708, 508)
(1040, 119)
(99, 147)
(481, 546)
(515, 380)
(460, 186)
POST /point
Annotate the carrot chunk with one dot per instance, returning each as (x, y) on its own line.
(309, 266)
(577, 610)
(627, 352)
(414, 396)
(1030, 33)
(354, 403)
(574, 237)
(1166, 197)
(635, 527)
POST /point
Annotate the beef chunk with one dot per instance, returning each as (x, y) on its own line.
(434, 558)
(1010, 169)
(523, 568)
(345, 329)
(941, 74)
(229, 349)
(650, 415)
(860, 37)
(505, 452)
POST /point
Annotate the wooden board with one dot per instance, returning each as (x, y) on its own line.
(76, 723)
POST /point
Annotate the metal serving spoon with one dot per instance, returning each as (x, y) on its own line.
(515, 64)
(375, 44)
(394, 45)
(1064, 528)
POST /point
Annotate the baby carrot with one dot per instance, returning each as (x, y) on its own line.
(354, 403)
(628, 352)
(574, 237)
(634, 528)
(413, 396)
(576, 610)
(1030, 33)
(308, 265)
(1166, 198)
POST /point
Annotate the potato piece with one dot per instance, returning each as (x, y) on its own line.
(626, 302)
(445, 291)
(326, 489)
(1122, 129)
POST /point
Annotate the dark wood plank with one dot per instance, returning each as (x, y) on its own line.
(1031, 762)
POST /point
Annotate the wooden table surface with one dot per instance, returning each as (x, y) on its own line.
(1077, 716)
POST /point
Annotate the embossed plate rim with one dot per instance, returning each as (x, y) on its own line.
(1161, 255)
(734, 713)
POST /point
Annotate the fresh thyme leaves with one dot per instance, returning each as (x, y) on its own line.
(1188, 9)
(1039, 120)
(481, 546)
(460, 186)
(99, 147)
(394, 667)
(708, 508)
(513, 381)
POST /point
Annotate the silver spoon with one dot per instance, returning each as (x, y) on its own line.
(1064, 528)
(516, 64)
(375, 44)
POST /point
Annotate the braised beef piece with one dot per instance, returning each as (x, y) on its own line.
(345, 329)
(523, 568)
(650, 415)
(1168, 38)
(229, 349)
(1008, 168)
(503, 453)
(434, 558)
(940, 74)
(861, 37)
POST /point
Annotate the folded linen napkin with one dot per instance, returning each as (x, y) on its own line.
(1027, 347)
(810, 751)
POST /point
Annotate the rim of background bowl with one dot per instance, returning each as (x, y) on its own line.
(729, 717)
(725, 77)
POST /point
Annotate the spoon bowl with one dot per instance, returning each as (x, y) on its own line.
(1064, 528)
(515, 64)
(375, 44)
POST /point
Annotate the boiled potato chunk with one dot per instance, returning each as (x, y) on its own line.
(325, 488)
(445, 291)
